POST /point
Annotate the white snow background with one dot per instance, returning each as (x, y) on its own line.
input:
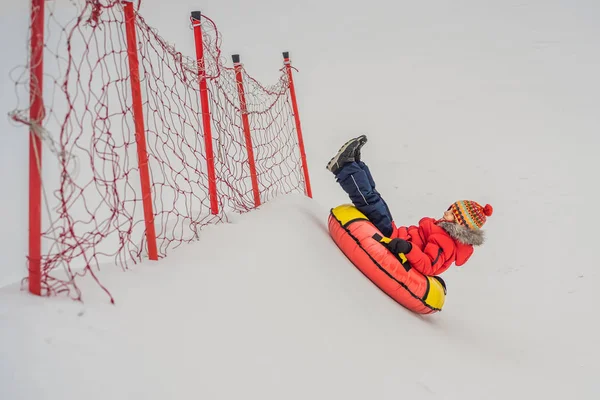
(491, 101)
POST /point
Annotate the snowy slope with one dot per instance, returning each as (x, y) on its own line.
(269, 308)
(491, 102)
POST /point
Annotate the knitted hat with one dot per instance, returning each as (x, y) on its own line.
(470, 213)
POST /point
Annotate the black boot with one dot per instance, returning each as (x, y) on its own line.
(345, 154)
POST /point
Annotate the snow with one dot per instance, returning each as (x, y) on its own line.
(268, 307)
(495, 103)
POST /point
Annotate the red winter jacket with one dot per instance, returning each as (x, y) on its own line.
(433, 248)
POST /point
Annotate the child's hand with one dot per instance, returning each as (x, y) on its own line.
(398, 246)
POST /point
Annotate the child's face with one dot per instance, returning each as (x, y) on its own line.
(448, 216)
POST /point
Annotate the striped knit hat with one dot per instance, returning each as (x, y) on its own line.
(470, 213)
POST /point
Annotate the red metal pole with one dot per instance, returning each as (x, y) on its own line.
(288, 67)
(140, 132)
(210, 158)
(36, 116)
(240, 84)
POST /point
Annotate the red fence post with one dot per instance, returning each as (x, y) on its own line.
(240, 85)
(210, 158)
(288, 67)
(36, 117)
(140, 132)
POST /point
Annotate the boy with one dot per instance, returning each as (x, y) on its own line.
(433, 245)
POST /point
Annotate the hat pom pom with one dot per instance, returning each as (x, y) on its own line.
(488, 210)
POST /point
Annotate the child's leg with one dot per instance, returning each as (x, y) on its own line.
(364, 167)
(356, 182)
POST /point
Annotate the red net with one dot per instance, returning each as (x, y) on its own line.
(93, 201)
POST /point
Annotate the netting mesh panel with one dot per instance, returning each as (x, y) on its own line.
(274, 138)
(177, 156)
(93, 212)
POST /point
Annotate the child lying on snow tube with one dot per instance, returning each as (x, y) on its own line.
(433, 245)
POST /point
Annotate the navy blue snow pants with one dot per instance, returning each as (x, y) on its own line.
(356, 180)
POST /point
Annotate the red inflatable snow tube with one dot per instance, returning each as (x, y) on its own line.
(358, 238)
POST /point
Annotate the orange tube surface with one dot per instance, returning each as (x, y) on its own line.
(353, 233)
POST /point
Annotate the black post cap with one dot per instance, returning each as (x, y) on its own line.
(286, 54)
(197, 15)
(235, 58)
